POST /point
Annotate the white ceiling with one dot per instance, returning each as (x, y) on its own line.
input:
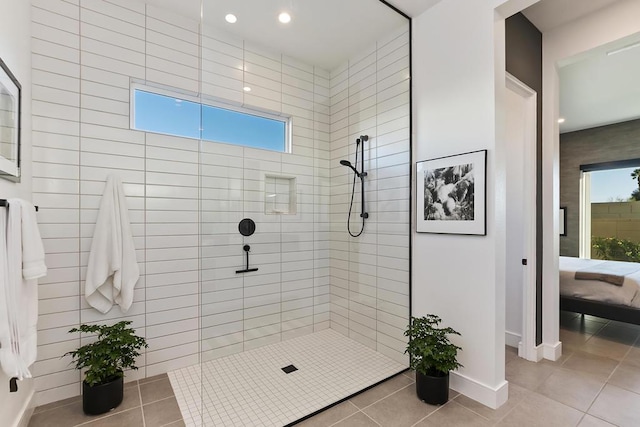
(596, 89)
(325, 33)
(549, 14)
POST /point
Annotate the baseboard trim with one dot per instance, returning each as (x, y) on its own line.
(512, 339)
(552, 351)
(488, 396)
(27, 410)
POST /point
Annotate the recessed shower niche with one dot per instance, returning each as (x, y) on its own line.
(280, 196)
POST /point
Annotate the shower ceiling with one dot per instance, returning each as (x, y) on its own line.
(324, 33)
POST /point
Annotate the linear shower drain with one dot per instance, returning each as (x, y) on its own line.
(289, 369)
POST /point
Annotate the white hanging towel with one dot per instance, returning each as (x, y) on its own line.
(25, 264)
(8, 357)
(112, 271)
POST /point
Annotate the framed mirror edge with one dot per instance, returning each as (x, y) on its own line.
(10, 169)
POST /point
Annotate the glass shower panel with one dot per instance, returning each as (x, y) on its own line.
(318, 297)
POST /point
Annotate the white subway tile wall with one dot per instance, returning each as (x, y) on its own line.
(186, 197)
(369, 275)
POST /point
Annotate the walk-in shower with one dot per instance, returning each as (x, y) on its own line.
(361, 175)
(298, 315)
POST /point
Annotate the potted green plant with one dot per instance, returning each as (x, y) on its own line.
(433, 356)
(115, 350)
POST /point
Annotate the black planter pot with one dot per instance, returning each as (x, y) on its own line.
(102, 398)
(432, 389)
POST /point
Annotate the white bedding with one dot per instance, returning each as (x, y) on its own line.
(628, 294)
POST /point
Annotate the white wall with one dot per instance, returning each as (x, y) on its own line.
(370, 273)
(185, 198)
(458, 53)
(559, 45)
(15, 49)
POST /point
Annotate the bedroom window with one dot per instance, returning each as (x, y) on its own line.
(610, 211)
(160, 111)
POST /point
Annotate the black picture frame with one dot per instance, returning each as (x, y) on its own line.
(451, 194)
(10, 123)
(563, 221)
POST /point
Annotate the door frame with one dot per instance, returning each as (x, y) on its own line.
(527, 348)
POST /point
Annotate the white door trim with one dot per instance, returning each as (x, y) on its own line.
(527, 348)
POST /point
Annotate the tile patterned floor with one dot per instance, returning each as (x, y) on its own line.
(250, 388)
(596, 383)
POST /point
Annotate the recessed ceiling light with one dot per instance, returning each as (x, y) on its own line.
(246, 89)
(284, 17)
(561, 120)
(231, 18)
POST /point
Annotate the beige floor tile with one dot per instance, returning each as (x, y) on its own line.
(572, 388)
(572, 340)
(402, 408)
(626, 376)
(156, 390)
(516, 395)
(528, 374)
(633, 357)
(592, 364)
(130, 418)
(54, 405)
(154, 378)
(161, 412)
(410, 374)
(331, 415)
(176, 424)
(381, 391)
(617, 406)
(71, 414)
(589, 421)
(358, 419)
(586, 326)
(454, 415)
(537, 410)
(605, 347)
(511, 353)
(623, 332)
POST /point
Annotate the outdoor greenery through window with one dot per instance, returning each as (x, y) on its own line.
(615, 214)
(154, 112)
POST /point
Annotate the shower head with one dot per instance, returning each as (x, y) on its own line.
(348, 164)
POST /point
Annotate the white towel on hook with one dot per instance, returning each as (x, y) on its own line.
(8, 358)
(33, 267)
(21, 242)
(112, 271)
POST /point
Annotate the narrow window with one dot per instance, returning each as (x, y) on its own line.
(174, 115)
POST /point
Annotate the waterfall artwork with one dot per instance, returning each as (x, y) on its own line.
(452, 192)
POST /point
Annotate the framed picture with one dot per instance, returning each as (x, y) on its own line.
(10, 108)
(563, 221)
(452, 194)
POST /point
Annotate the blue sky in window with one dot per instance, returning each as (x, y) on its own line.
(612, 185)
(241, 128)
(165, 114)
(168, 115)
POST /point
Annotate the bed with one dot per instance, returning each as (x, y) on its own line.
(596, 297)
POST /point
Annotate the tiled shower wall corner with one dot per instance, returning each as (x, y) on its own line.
(370, 273)
(185, 199)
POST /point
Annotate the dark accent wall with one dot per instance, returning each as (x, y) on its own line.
(611, 143)
(524, 61)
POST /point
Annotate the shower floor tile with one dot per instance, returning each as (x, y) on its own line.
(250, 388)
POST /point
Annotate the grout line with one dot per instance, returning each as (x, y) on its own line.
(140, 391)
(107, 415)
(367, 415)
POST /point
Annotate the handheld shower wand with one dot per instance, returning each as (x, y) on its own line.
(360, 175)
